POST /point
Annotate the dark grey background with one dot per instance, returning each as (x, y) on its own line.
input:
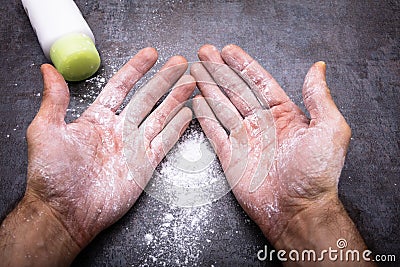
(359, 40)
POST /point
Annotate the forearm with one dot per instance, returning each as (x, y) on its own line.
(326, 229)
(31, 236)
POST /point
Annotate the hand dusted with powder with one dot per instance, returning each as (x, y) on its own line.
(79, 168)
(78, 171)
(309, 153)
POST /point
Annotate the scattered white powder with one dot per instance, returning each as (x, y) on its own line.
(148, 238)
(97, 81)
(190, 175)
(192, 151)
(188, 180)
(179, 238)
(168, 217)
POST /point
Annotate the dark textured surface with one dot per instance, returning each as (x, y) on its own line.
(359, 40)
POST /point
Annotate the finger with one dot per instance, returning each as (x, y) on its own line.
(55, 95)
(213, 129)
(237, 90)
(265, 86)
(219, 103)
(156, 121)
(167, 138)
(317, 97)
(144, 100)
(122, 82)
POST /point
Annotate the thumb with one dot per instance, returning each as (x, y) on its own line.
(317, 97)
(55, 96)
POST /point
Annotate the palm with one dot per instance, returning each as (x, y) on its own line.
(300, 152)
(290, 186)
(83, 175)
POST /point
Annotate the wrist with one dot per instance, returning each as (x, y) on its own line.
(320, 227)
(32, 236)
(310, 224)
